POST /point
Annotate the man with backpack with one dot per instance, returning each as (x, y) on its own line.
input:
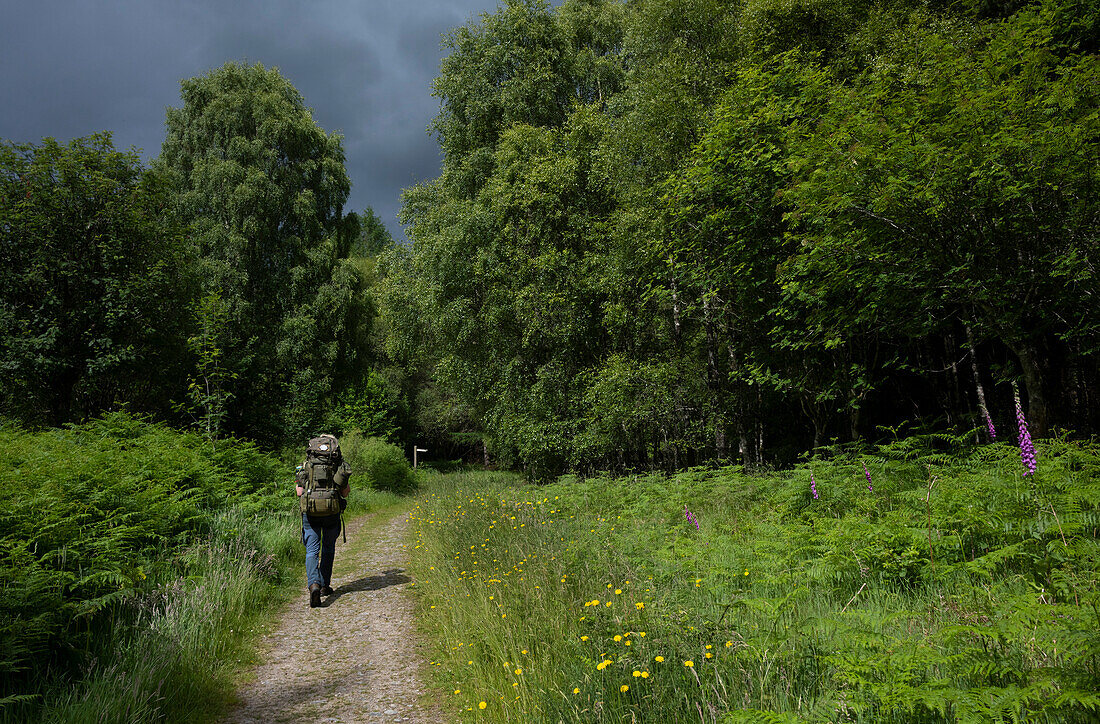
(322, 484)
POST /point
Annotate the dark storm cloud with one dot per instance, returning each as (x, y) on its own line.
(74, 68)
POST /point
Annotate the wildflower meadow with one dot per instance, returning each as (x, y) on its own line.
(958, 586)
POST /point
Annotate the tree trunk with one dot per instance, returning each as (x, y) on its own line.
(714, 381)
(675, 305)
(1033, 383)
(978, 387)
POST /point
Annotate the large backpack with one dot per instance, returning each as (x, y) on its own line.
(323, 474)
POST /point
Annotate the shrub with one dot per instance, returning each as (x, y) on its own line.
(102, 516)
(382, 465)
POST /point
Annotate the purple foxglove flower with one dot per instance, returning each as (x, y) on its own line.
(813, 485)
(867, 474)
(989, 427)
(691, 517)
(1027, 448)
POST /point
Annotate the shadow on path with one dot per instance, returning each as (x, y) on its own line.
(392, 577)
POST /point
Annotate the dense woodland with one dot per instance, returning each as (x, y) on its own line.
(666, 232)
(673, 232)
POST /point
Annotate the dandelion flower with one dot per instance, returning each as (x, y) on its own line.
(576, 690)
(637, 673)
(639, 605)
(689, 664)
(624, 688)
(481, 705)
(645, 674)
(658, 659)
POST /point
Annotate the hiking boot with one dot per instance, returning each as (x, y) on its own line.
(314, 595)
(327, 591)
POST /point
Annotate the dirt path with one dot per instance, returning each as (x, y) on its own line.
(354, 659)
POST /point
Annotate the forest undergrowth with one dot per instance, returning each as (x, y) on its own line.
(928, 580)
(138, 565)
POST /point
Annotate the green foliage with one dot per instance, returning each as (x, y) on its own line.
(171, 655)
(809, 220)
(378, 464)
(96, 518)
(207, 391)
(956, 590)
(369, 409)
(373, 237)
(91, 260)
(973, 199)
(262, 188)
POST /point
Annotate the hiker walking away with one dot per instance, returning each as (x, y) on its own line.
(322, 486)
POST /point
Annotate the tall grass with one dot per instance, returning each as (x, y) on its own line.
(172, 655)
(954, 590)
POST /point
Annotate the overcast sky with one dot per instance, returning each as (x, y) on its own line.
(364, 66)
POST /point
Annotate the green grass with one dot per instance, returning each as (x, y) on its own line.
(980, 604)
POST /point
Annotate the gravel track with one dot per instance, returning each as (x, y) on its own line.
(354, 659)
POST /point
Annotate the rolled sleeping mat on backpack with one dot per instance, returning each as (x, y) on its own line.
(342, 475)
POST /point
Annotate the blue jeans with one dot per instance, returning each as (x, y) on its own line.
(319, 536)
